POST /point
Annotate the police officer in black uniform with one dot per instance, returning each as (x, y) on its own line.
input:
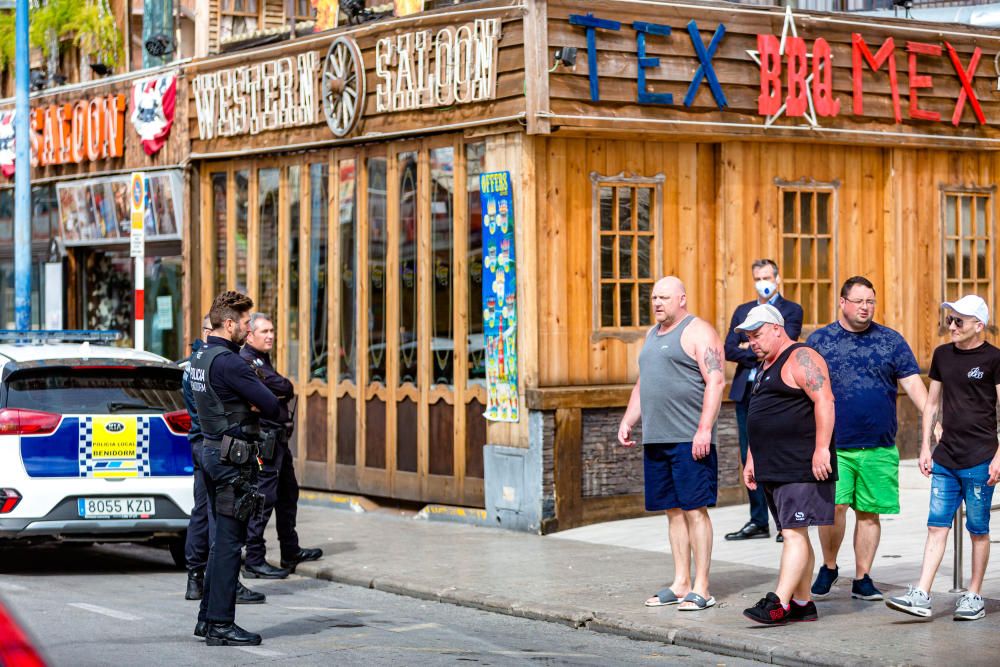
(230, 401)
(201, 527)
(277, 479)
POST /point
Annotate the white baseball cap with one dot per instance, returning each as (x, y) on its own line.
(760, 315)
(970, 305)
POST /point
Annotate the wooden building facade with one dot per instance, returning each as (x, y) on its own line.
(679, 138)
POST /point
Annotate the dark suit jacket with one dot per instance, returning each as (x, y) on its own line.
(746, 359)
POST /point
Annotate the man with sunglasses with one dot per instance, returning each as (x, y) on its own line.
(866, 361)
(965, 465)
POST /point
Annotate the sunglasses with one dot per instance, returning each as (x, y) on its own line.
(957, 321)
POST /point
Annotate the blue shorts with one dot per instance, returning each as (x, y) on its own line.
(674, 479)
(950, 486)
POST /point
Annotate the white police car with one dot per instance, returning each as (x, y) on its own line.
(92, 442)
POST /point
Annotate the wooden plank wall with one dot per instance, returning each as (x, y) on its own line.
(568, 353)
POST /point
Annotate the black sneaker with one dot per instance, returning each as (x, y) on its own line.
(864, 589)
(802, 613)
(825, 580)
(768, 611)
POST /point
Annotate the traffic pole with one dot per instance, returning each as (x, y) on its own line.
(22, 172)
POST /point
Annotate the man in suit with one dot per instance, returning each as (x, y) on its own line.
(767, 282)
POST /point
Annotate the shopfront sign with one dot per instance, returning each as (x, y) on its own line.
(499, 296)
(251, 99)
(71, 133)
(917, 76)
(99, 211)
(425, 69)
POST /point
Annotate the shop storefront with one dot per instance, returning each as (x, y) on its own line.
(86, 141)
(666, 138)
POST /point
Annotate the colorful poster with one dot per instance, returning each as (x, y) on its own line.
(408, 7)
(499, 296)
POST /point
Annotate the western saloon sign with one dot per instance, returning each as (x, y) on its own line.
(87, 130)
(842, 75)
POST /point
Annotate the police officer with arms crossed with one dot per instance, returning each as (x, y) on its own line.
(201, 527)
(230, 401)
(277, 479)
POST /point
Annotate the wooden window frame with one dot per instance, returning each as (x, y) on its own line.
(655, 183)
(959, 192)
(311, 16)
(801, 186)
(257, 15)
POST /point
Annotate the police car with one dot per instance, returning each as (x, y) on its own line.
(92, 442)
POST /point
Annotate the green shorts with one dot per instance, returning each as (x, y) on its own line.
(869, 479)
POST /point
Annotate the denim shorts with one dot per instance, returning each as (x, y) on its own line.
(950, 486)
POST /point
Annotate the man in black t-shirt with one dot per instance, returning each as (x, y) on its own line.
(965, 465)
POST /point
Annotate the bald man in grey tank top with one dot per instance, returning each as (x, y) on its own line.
(677, 396)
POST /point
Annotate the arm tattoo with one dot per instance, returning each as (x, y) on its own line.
(814, 376)
(713, 362)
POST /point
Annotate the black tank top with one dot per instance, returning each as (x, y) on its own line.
(781, 426)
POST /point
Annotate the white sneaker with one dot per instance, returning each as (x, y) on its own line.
(915, 602)
(970, 607)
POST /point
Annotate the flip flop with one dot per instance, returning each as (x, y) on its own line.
(699, 602)
(663, 598)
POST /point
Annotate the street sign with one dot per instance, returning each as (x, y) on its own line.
(137, 238)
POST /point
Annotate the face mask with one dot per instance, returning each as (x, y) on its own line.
(765, 288)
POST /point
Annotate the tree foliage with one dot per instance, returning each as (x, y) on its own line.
(88, 24)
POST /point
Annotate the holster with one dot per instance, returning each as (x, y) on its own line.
(269, 439)
(236, 452)
(240, 500)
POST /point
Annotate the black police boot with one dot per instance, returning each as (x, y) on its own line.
(302, 556)
(196, 585)
(246, 596)
(230, 634)
(201, 629)
(264, 571)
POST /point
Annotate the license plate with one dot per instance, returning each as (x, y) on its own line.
(116, 508)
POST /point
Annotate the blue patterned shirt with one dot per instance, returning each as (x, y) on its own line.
(864, 369)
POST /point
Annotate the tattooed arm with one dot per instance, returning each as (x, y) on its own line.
(809, 372)
(709, 355)
(931, 416)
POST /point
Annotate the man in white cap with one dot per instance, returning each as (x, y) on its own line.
(965, 378)
(790, 428)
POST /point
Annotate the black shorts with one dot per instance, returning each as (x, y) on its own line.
(801, 504)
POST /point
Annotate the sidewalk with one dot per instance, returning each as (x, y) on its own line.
(598, 576)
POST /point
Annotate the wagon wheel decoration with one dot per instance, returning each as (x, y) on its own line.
(343, 86)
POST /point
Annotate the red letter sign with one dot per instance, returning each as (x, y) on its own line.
(795, 52)
(885, 52)
(822, 83)
(965, 77)
(769, 100)
(918, 81)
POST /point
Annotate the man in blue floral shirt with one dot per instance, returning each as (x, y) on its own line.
(866, 361)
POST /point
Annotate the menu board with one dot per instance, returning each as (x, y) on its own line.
(97, 211)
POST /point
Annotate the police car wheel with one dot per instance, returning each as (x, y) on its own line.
(176, 546)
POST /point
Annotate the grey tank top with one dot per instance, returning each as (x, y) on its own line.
(671, 389)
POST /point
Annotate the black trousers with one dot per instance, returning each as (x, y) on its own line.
(201, 527)
(218, 605)
(281, 494)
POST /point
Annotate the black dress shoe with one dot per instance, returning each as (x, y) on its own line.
(246, 596)
(201, 629)
(195, 585)
(750, 531)
(302, 556)
(264, 571)
(230, 634)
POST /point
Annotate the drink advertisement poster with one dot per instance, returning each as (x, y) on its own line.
(499, 296)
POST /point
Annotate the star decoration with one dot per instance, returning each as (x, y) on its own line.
(789, 26)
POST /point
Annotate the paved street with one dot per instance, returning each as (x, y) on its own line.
(124, 605)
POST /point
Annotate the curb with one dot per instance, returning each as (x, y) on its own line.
(453, 514)
(337, 501)
(720, 642)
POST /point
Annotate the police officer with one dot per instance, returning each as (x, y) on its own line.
(277, 479)
(229, 400)
(201, 527)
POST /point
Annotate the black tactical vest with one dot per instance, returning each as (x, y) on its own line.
(215, 416)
